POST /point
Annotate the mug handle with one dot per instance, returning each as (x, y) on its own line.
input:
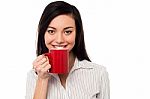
(47, 54)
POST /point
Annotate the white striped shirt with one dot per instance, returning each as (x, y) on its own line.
(86, 80)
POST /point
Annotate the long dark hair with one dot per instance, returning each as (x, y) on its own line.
(50, 12)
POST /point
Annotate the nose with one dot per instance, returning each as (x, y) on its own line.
(59, 38)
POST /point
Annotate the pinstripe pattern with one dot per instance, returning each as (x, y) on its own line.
(85, 81)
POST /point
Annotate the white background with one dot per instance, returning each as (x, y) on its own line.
(117, 35)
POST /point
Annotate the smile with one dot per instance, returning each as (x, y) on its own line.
(59, 46)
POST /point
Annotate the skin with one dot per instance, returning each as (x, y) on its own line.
(60, 33)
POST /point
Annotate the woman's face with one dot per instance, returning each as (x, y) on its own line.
(61, 33)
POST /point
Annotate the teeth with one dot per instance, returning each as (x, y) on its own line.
(59, 47)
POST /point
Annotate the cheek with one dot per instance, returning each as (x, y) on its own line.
(48, 41)
(47, 38)
(71, 40)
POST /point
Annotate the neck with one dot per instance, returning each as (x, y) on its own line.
(71, 60)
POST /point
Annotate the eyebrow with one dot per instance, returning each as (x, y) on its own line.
(64, 28)
(51, 27)
(68, 27)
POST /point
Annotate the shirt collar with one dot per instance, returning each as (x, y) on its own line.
(84, 64)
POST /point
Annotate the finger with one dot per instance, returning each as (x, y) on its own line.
(38, 59)
(44, 64)
(47, 58)
(36, 64)
(46, 69)
(38, 70)
(40, 66)
(41, 62)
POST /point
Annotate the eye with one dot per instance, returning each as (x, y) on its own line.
(51, 32)
(68, 32)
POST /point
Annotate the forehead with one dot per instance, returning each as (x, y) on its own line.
(63, 20)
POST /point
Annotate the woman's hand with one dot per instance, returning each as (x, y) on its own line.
(42, 66)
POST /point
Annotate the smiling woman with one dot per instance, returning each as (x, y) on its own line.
(60, 26)
(61, 32)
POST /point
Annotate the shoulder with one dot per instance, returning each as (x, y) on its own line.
(99, 72)
(92, 65)
(95, 68)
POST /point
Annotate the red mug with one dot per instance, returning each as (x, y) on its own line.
(59, 60)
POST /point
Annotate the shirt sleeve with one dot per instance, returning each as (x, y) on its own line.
(30, 84)
(104, 86)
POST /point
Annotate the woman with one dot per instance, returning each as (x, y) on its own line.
(61, 26)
